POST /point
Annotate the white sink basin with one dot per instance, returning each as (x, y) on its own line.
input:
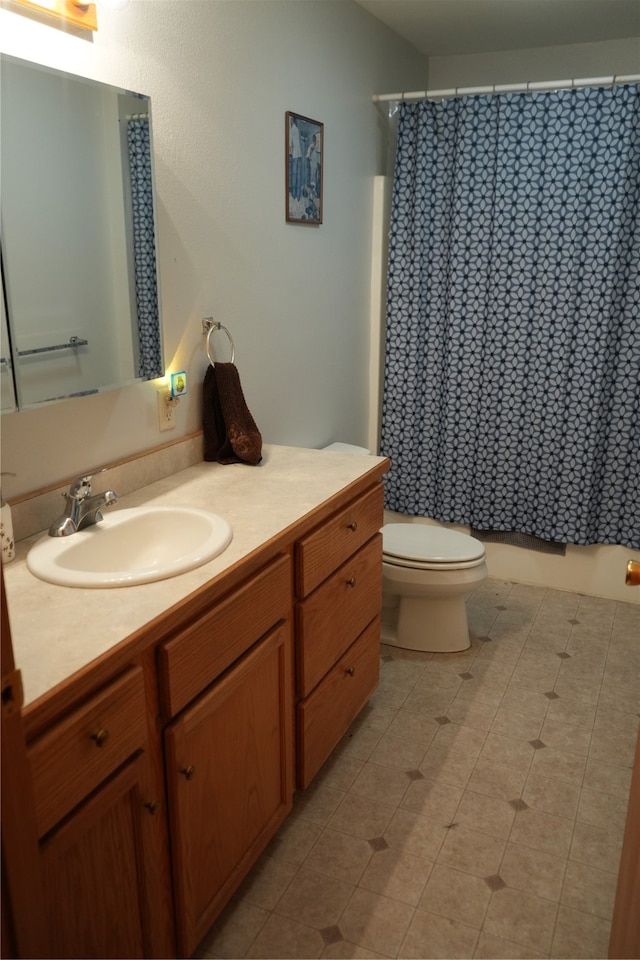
(131, 546)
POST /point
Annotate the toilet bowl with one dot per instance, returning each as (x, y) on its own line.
(430, 570)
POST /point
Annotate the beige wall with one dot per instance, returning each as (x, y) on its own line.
(221, 74)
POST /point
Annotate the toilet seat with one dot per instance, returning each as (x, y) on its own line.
(430, 564)
(423, 547)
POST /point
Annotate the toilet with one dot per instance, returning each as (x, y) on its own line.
(347, 448)
(430, 570)
(427, 572)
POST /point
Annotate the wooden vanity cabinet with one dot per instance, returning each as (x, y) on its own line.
(162, 771)
(230, 777)
(339, 585)
(95, 874)
(99, 814)
(229, 753)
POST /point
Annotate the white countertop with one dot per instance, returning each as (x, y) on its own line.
(58, 630)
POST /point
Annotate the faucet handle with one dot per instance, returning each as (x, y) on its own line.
(81, 486)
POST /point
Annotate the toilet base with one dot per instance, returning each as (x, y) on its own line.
(428, 626)
(435, 625)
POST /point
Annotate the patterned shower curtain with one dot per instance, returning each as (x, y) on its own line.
(144, 245)
(511, 396)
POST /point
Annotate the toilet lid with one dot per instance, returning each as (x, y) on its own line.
(418, 541)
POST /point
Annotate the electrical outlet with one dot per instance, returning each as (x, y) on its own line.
(166, 411)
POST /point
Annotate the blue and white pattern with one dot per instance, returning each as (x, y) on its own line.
(512, 375)
(138, 136)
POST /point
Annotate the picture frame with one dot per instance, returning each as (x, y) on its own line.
(304, 153)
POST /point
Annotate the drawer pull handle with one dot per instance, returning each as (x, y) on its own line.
(152, 806)
(189, 772)
(351, 671)
(351, 582)
(101, 737)
(353, 525)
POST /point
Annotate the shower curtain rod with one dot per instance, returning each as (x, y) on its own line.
(492, 88)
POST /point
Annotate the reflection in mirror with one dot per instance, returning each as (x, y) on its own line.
(78, 237)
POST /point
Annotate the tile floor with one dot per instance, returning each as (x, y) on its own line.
(475, 809)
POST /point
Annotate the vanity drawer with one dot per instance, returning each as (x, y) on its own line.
(328, 712)
(196, 656)
(78, 753)
(318, 554)
(328, 621)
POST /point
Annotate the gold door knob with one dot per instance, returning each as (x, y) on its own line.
(351, 671)
(189, 772)
(152, 806)
(353, 525)
(351, 582)
(633, 573)
(100, 738)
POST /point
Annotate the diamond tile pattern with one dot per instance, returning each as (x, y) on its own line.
(495, 882)
(331, 934)
(530, 868)
(378, 844)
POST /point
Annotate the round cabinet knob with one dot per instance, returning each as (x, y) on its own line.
(100, 737)
(351, 671)
(152, 806)
(189, 772)
(351, 582)
(353, 525)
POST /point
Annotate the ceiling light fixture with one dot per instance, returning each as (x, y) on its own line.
(70, 11)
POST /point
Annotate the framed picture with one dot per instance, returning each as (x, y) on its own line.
(304, 144)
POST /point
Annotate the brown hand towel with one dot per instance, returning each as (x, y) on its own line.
(230, 432)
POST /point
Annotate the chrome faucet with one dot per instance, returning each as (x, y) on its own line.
(82, 509)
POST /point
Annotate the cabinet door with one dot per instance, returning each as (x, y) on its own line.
(229, 773)
(93, 869)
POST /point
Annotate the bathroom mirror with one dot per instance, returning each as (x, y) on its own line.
(81, 310)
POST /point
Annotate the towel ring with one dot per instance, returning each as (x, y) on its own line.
(208, 326)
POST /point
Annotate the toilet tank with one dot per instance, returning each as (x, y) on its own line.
(347, 448)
